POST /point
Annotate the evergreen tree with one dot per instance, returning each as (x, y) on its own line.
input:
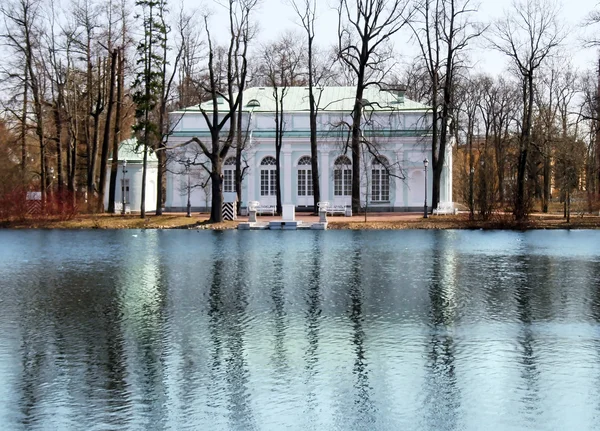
(149, 82)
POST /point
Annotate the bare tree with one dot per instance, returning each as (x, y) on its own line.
(120, 110)
(527, 34)
(443, 30)
(22, 35)
(224, 92)
(364, 29)
(306, 11)
(107, 127)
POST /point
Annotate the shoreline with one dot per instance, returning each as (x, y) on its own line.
(382, 221)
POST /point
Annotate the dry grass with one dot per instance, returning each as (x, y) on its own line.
(462, 221)
(179, 221)
(110, 221)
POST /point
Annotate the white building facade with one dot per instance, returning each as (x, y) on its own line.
(398, 131)
(129, 178)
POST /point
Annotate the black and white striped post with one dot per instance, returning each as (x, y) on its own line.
(229, 211)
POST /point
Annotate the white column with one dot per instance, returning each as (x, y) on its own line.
(287, 176)
(398, 183)
(251, 177)
(399, 190)
(324, 174)
(449, 177)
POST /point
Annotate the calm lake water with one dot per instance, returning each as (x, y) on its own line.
(336, 330)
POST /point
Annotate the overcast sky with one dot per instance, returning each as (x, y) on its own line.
(276, 16)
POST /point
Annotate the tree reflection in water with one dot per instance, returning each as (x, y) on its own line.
(228, 302)
(277, 287)
(300, 330)
(364, 408)
(523, 292)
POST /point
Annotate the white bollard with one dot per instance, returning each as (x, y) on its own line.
(289, 212)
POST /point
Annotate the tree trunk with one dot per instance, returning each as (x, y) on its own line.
(471, 175)
(546, 191)
(520, 209)
(314, 155)
(107, 126)
(434, 131)
(93, 156)
(73, 164)
(59, 159)
(116, 135)
(355, 147)
(216, 179)
(24, 122)
(598, 133)
(240, 144)
(500, 169)
(278, 142)
(144, 176)
(88, 137)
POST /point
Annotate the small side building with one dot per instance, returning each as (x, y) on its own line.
(129, 178)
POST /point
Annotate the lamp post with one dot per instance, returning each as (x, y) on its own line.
(425, 164)
(189, 203)
(50, 185)
(123, 188)
(51, 172)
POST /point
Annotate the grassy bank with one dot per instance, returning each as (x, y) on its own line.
(392, 221)
(462, 222)
(109, 221)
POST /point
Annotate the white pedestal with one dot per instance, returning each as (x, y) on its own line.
(322, 216)
(252, 216)
(289, 212)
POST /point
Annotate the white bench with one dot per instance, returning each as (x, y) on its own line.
(332, 209)
(261, 209)
(445, 208)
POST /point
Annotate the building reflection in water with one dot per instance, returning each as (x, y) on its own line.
(442, 394)
(144, 302)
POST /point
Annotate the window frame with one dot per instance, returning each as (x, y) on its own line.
(342, 177)
(268, 176)
(229, 175)
(305, 184)
(380, 181)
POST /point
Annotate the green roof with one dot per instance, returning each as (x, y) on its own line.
(332, 99)
(128, 150)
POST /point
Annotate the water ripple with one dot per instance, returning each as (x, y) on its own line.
(331, 330)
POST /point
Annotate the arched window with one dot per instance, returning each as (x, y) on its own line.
(342, 177)
(253, 103)
(305, 183)
(229, 175)
(268, 176)
(380, 180)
